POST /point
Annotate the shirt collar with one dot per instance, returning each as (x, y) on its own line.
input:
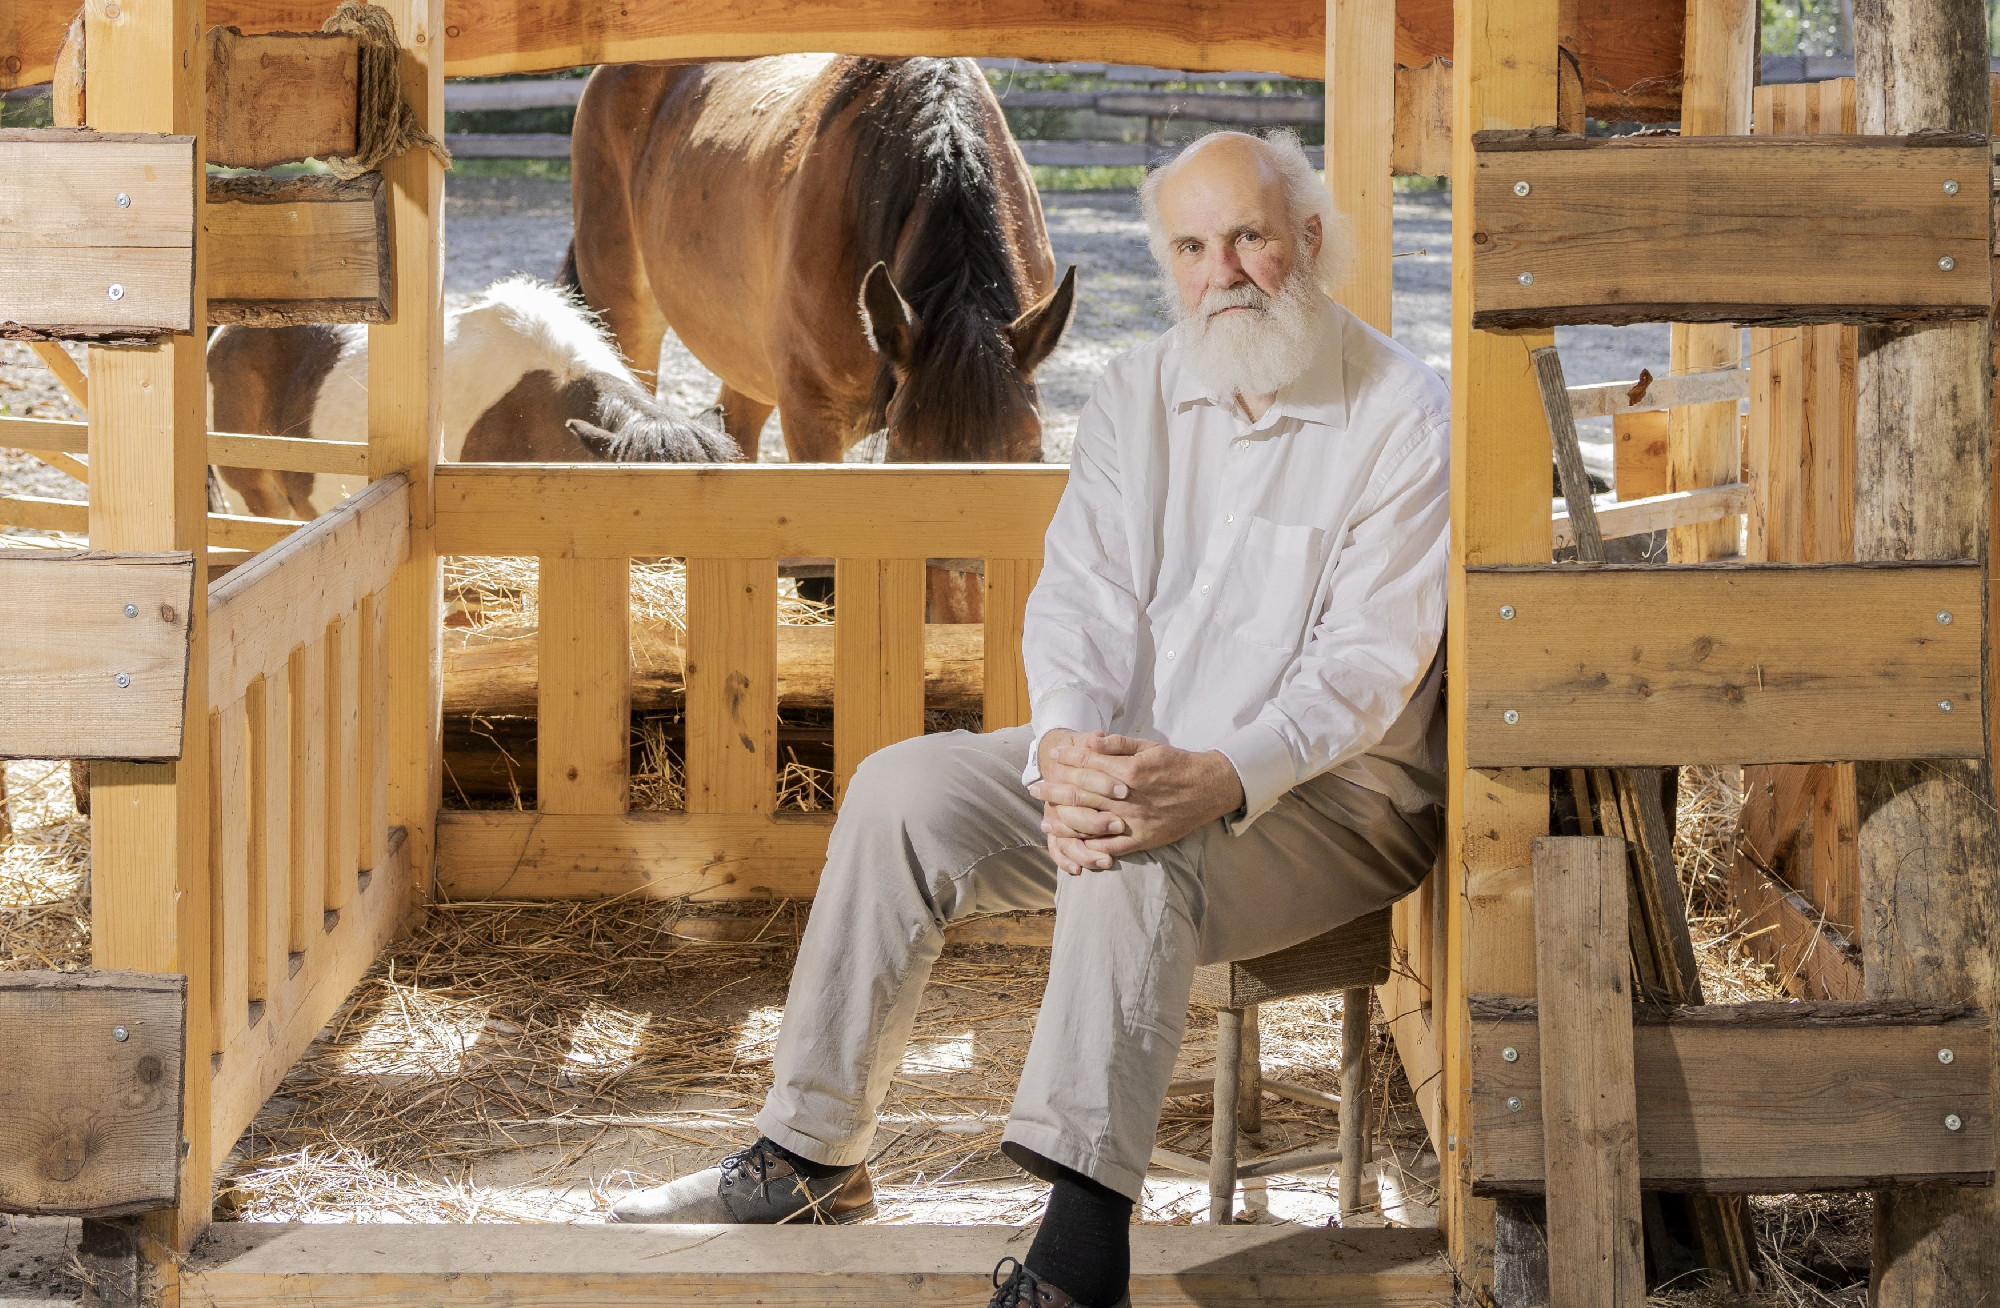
(1317, 395)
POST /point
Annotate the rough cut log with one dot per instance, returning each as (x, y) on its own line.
(277, 97)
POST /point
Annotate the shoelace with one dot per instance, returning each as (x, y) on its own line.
(754, 1164)
(1017, 1291)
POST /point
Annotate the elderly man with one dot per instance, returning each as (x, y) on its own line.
(1235, 746)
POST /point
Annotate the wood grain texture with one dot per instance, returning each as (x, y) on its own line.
(229, 872)
(747, 510)
(280, 97)
(1004, 681)
(306, 676)
(732, 676)
(658, 855)
(1361, 104)
(344, 760)
(878, 659)
(1355, 954)
(65, 639)
(1749, 663)
(90, 1124)
(1610, 399)
(1762, 1098)
(230, 449)
(583, 713)
(1639, 454)
(1809, 958)
(298, 249)
(1754, 230)
(1658, 513)
(1589, 1109)
(1423, 120)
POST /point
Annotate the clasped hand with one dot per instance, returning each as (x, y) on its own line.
(1106, 796)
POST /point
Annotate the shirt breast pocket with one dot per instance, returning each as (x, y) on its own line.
(1271, 587)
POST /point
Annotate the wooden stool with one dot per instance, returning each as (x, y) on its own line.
(1351, 959)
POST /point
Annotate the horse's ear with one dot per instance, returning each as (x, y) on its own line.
(892, 329)
(598, 441)
(1034, 334)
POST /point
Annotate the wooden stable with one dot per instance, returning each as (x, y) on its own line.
(295, 824)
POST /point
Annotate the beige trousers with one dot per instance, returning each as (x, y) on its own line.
(939, 827)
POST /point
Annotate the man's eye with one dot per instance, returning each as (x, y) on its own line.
(1251, 239)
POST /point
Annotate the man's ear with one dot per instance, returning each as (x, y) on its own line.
(886, 316)
(1035, 333)
(1315, 231)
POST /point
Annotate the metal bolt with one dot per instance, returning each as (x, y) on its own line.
(1951, 186)
(1944, 617)
(1526, 279)
(124, 200)
(1951, 1122)
(1947, 263)
(1451, 1141)
(1510, 717)
(116, 291)
(1945, 1055)
(131, 610)
(120, 1034)
(1510, 1055)
(1514, 1104)
(1944, 706)
(1522, 188)
(123, 679)
(1506, 613)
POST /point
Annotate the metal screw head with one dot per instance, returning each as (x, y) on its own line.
(1951, 186)
(1510, 717)
(120, 1034)
(1945, 1055)
(1506, 613)
(1526, 279)
(1947, 263)
(1951, 1122)
(1944, 706)
(1522, 188)
(115, 291)
(1514, 1104)
(1451, 1141)
(1510, 1055)
(1944, 617)
(124, 200)
(131, 610)
(123, 679)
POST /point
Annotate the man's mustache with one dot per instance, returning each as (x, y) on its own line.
(1247, 296)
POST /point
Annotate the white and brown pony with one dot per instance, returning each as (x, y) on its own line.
(529, 377)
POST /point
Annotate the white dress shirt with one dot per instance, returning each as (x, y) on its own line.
(1274, 590)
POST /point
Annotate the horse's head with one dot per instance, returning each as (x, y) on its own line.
(626, 425)
(959, 384)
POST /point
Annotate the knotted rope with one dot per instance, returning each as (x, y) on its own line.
(386, 125)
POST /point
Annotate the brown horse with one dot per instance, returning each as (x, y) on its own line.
(856, 242)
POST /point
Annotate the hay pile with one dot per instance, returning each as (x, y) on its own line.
(44, 871)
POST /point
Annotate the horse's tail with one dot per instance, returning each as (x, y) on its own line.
(566, 276)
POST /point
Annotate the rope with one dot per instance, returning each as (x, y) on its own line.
(386, 125)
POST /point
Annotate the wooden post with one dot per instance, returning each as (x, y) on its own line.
(1930, 887)
(1355, 1128)
(1504, 65)
(405, 388)
(150, 904)
(1360, 141)
(1702, 444)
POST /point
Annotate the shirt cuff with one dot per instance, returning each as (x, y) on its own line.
(1065, 707)
(1263, 763)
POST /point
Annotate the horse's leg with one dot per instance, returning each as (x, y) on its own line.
(954, 596)
(607, 247)
(743, 418)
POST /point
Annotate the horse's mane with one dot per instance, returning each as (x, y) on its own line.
(922, 152)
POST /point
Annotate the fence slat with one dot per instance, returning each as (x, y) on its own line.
(270, 709)
(229, 875)
(341, 726)
(878, 658)
(1008, 583)
(732, 685)
(308, 833)
(583, 746)
(373, 753)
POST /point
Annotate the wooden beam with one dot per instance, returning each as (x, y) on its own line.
(1808, 957)
(65, 369)
(1613, 399)
(225, 449)
(93, 653)
(1654, 665)
(280, 97)
(1639, 455)
(1423, 120)
(1762, 1098)
(732, 685)
(287, 250)
(485, 855)
(1590, 1135)
(74, 262)
(1004, 677)
(1361, 105)
(1641, 517)
(746, 510)
(878, 659)
(584, 708)
(90, 1093)
(1753, 230)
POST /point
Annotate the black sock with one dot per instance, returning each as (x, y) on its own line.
(1084, 1247)
(806, 1167)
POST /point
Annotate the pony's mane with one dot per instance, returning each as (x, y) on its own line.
(922, 153)
(564, 335)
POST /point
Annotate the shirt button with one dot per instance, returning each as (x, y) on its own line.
(1204, 590)
(1229, 517)
(1170, 655)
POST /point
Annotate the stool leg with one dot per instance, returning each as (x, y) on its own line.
(1354, 1143)
(1250, 1098)
(1222, 1144)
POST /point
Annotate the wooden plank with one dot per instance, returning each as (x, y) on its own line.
(1361, 104)
(243, 532)
(373, 753)
(1005, 701)
(1639, 454)
(878, 659)
(227, 449)
(268, 717)
(38, 513)
(1762, 1098)
(732, 685)
(280, 97)
(1657, 513)
(747, 510)
(583, 720)
(1754, 230)
(488, 855)
(1590, 1133)
(306, 674)
(1610, 399)
(1423, 120)
(1808, 957)
(90, 1121)
(65, 640)
(1660, 665)
(343, 761)
(229, 872)
(285, 250)
(65, 369)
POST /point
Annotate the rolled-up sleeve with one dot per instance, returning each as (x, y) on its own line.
(1370, 651)
(1080, 633)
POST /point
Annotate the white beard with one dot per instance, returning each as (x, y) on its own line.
(1256, 353)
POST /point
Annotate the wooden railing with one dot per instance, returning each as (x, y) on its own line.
(586, 523)
(307, 884)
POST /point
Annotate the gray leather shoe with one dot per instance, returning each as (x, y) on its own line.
(1024, 1289)
(754, 1187)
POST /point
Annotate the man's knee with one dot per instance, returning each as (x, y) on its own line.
(896, 783)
